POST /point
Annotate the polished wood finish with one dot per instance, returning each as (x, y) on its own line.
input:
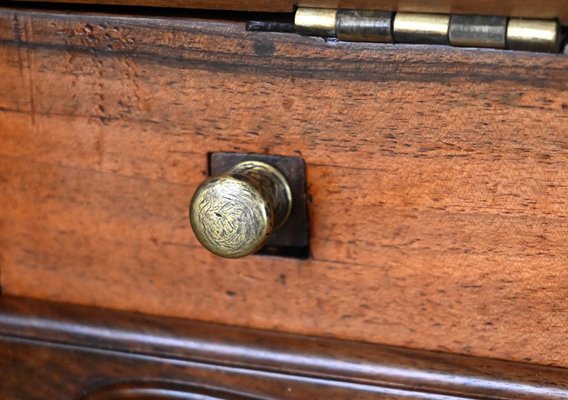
(549, 9)
(112, 355)
(438, 179)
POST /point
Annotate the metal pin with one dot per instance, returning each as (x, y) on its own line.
(315, 21)
(364, 26)
(421, 28)
(478, 31)
(533, 35)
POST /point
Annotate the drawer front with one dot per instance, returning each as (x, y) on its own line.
(438, 179)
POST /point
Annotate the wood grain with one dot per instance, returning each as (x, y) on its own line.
(550, 9)
(438, 178)
(116, 355)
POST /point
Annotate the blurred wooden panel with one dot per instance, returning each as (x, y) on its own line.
(514, 8)
(438, 176)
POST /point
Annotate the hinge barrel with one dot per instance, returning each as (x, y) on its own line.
(456, 30)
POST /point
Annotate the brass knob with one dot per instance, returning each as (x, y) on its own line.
(233, 215)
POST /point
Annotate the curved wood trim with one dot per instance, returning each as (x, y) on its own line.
(160, 391)
(271, 352)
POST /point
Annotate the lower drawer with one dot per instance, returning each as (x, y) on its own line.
(61, 352)
(438, 179)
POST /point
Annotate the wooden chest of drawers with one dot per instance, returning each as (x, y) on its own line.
(438, 182)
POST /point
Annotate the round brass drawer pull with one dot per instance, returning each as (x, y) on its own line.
(233, 215)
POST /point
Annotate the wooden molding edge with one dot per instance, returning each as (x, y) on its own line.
(413, 371)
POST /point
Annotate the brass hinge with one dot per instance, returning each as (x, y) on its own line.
(456, 30)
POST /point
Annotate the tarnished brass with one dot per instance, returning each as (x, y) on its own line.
(421, 28)
(364, 26)
(415, 28)
(233, 215)
(533, 35)
(478, 31)
(315, 21)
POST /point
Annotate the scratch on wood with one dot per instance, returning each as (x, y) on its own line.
(29, 56)
(16, 28)
(17, 31)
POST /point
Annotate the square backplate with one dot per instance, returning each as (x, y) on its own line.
(292, 239)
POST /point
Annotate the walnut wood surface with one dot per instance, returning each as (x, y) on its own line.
(514, 8)
(116, 355)
(438, 178)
